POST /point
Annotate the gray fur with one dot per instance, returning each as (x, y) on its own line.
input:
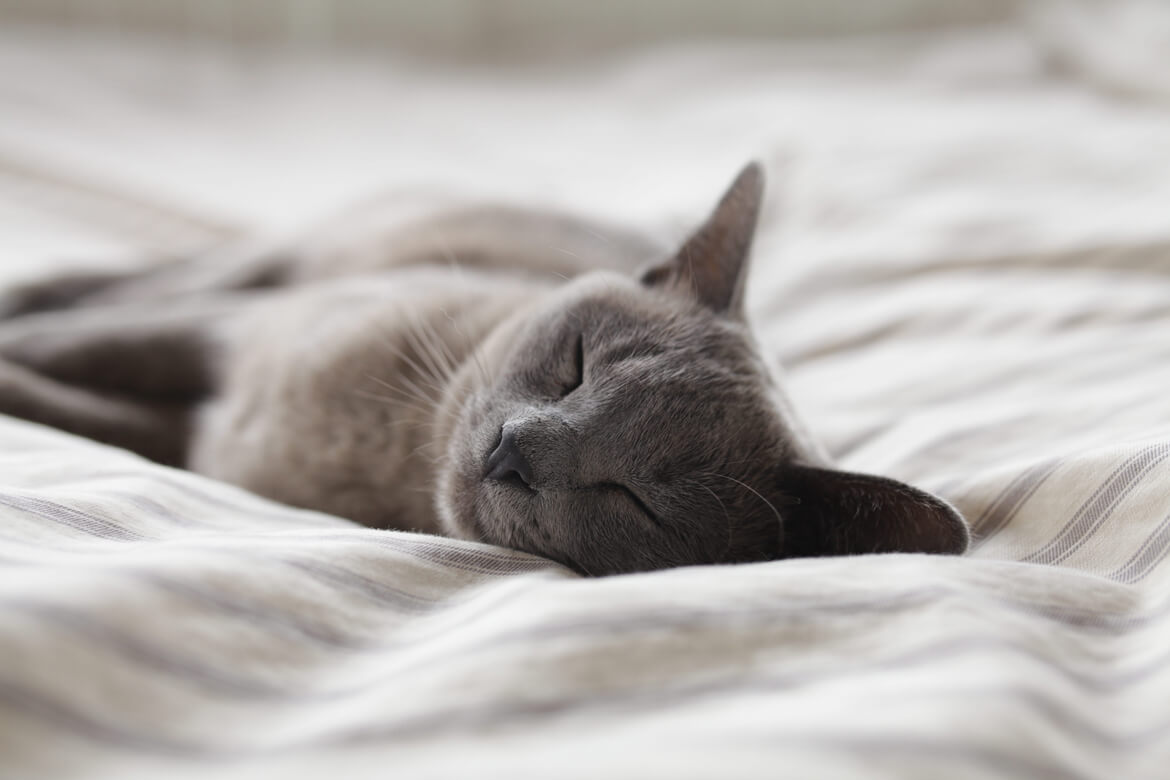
(472, 374)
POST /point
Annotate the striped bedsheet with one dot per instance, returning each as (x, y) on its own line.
(973, 295)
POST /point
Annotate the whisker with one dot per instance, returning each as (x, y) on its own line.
(433, 372)
(431, 343)
(433, 460)
(472, 349)
(575, 564)
(603, 239)
(757, 494)
(417, 397)
(387, 342)
(392, 401)
(726, 517)
(422, 373)
(406, 421)
(445, 350)
(419, 393)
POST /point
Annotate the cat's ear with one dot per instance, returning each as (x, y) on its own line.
(843, 513)
(711, 266)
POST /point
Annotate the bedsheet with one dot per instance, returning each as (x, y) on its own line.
(964, 265)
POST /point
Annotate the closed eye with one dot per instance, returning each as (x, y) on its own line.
(578, 367)
(636, 500)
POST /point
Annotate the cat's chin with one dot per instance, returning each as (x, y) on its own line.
(469, 509)
(493, 505)
(479, 511)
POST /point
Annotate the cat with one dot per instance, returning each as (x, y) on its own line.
(497, 375)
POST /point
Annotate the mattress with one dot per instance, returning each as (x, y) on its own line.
(964, 266)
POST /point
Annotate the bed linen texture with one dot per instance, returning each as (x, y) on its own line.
(964, 266)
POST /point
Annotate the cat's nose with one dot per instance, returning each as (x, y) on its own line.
(507, 462)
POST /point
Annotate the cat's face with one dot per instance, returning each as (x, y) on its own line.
(624, 425)
(620, 431)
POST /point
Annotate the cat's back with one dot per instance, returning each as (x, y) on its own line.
(490, 238)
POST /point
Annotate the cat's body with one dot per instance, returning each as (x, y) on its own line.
(375, 352)
(345, 342)
(472, 374)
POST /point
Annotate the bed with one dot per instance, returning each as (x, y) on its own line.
(964, 267)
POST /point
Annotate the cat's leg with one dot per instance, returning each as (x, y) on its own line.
(56, 292)
(156, 430)
(130, 376)
(244, 266)
(164, 352)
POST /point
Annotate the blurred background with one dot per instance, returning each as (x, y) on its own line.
(898, 128)
(498, 30)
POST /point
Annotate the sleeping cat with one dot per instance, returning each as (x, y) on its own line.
(492, 374)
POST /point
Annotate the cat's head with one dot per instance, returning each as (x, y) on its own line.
(629, 424)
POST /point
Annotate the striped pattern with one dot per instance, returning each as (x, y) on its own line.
(958, 306)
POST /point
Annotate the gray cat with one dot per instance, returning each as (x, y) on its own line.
(489, 374)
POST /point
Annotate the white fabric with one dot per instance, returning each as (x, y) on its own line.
(965, 266)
